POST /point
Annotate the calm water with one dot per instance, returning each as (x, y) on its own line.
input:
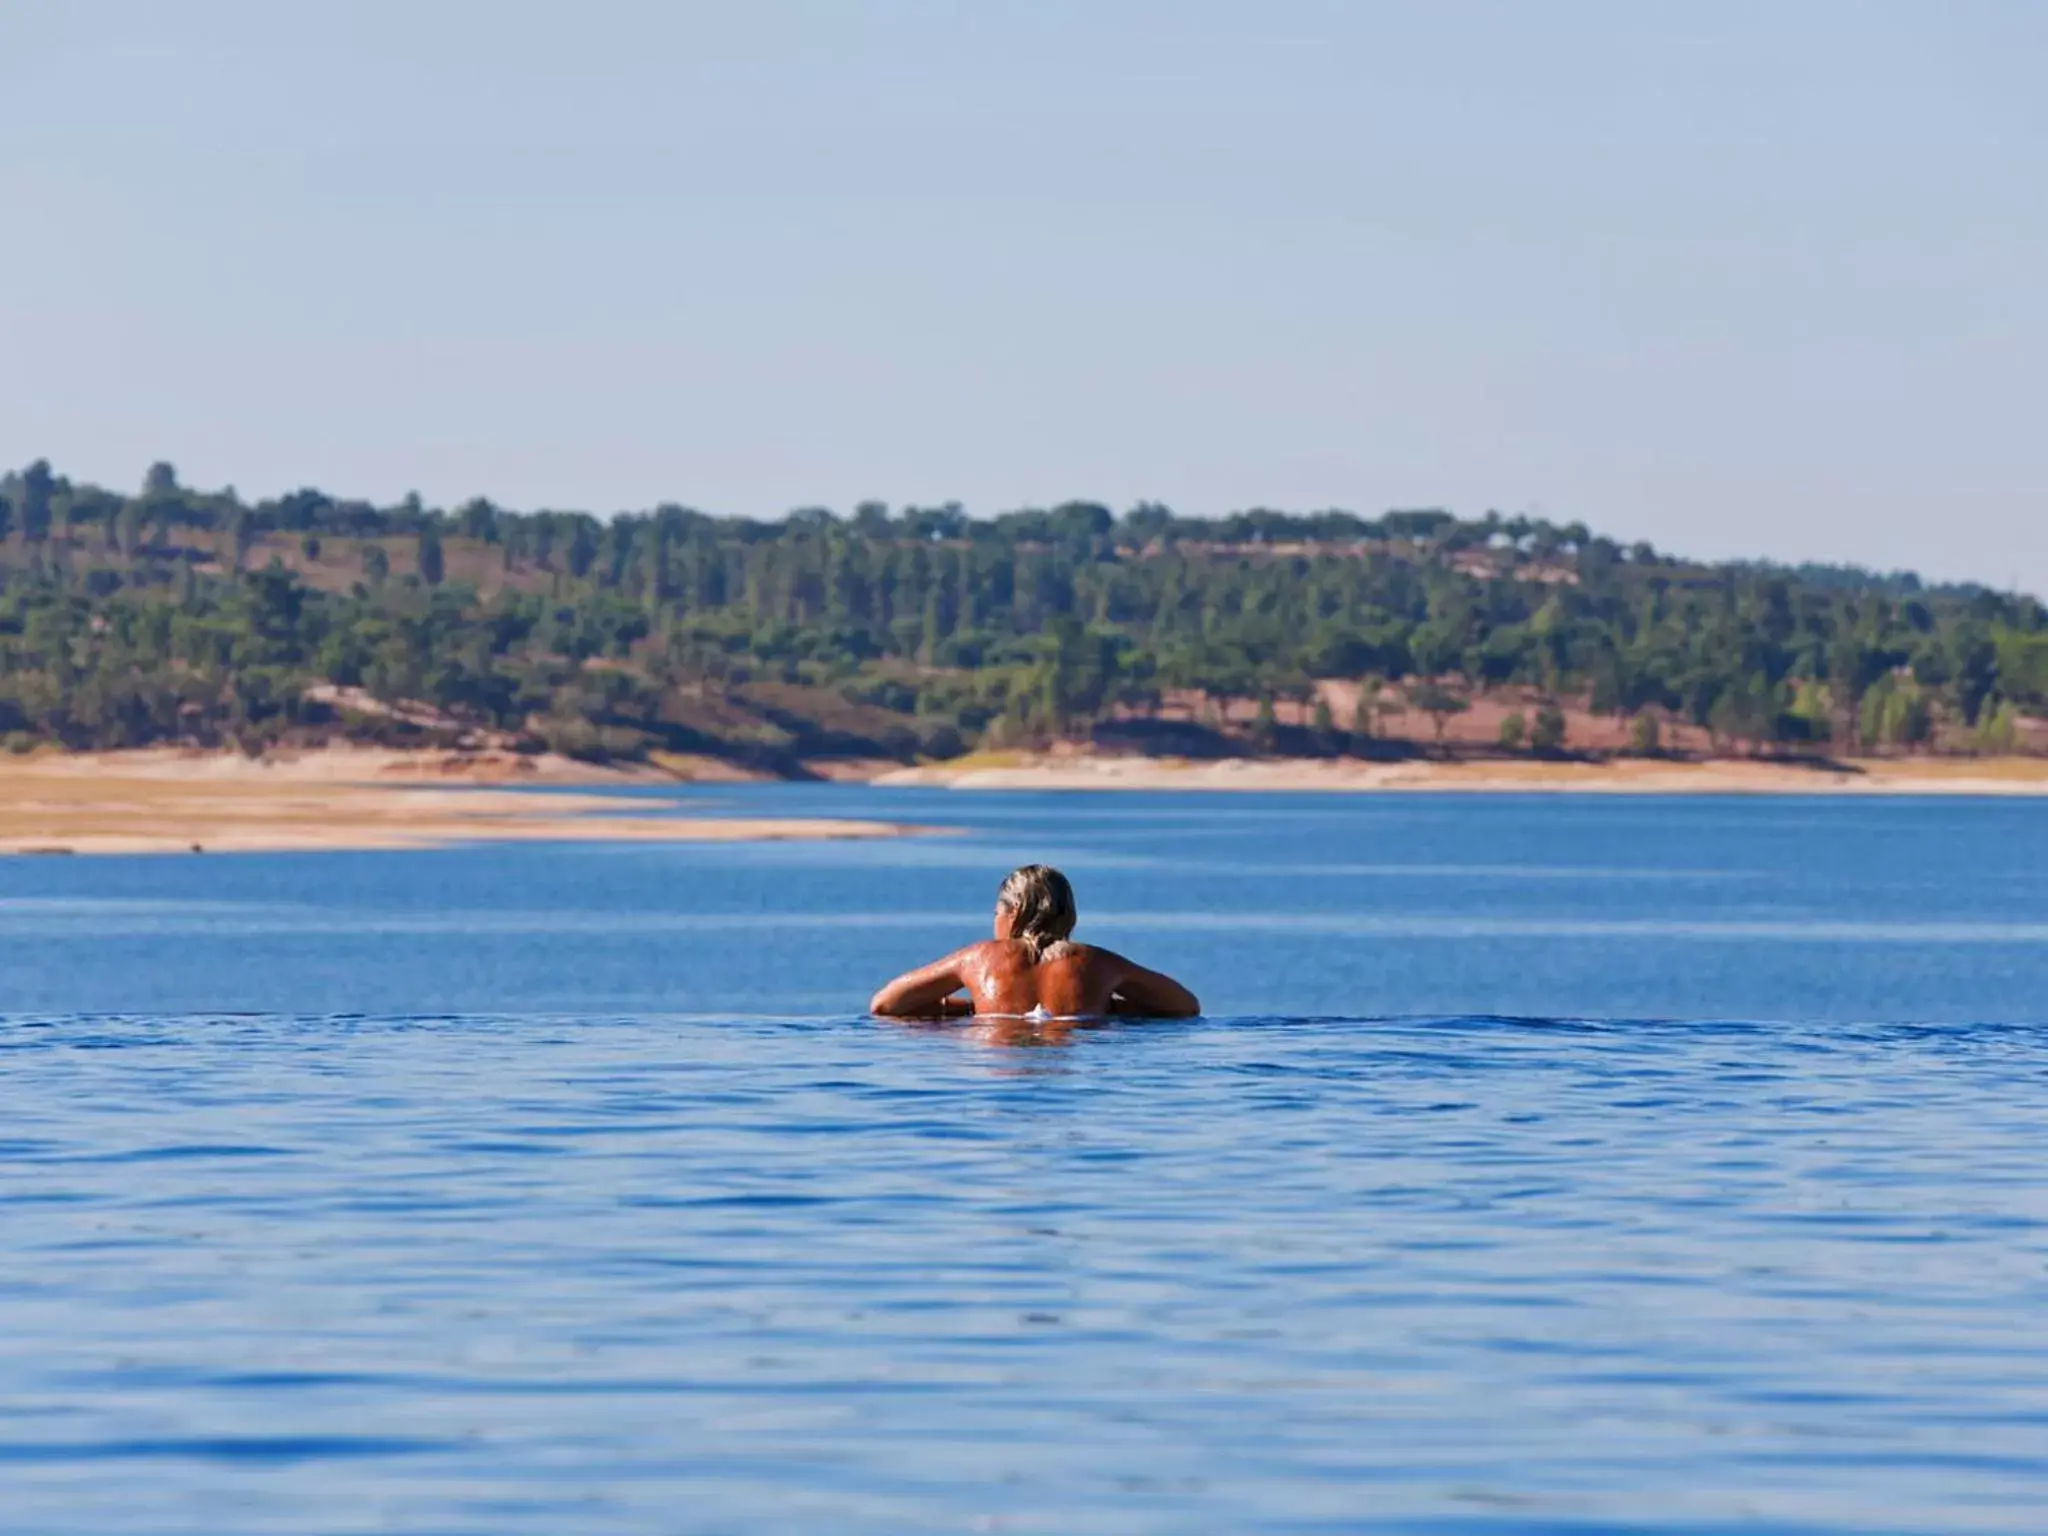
(1545, 1165)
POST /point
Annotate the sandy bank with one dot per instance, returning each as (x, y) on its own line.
(171, 802)
(337, 764)
(1953, 776)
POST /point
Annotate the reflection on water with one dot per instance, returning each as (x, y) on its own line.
(1020, 1031)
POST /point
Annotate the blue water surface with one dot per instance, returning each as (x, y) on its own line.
(1545, 1164)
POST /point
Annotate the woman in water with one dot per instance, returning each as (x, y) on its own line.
(1031, 968)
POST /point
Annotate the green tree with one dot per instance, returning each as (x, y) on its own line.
(1365, 713)
(1909, 719)
(431, 562)
(1645, 737)
(241, 532)
(890, 629)
(1547, 733)
(1894, 713)
(38, 487)
(2022, 663)
(1812, 712)
(583, 544)
(1997, 728)
(478, 519)
(1324, 725)
(1438, 702)
(130, 523)
(1265, 727)
(1514, 731)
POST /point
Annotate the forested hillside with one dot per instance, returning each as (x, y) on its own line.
(175, 615)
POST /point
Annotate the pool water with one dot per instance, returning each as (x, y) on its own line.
(1543, 1165)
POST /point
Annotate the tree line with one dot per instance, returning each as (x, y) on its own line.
(173, 614)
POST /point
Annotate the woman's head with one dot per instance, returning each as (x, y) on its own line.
(1035, 907)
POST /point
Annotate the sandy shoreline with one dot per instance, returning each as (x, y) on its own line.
(338, 764)
(1922, 776)
(171, 802)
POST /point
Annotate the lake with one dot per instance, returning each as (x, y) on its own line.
(1544, 1164)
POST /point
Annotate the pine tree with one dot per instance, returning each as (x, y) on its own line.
(432, 563)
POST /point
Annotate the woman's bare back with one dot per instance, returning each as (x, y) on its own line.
(1032, 966)
(1068, 981)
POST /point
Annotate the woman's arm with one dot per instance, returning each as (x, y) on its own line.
(925, 993)
(1150, 994)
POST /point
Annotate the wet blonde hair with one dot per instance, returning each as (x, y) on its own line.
(1041, 908)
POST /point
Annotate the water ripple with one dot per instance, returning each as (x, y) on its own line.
(642, 1273)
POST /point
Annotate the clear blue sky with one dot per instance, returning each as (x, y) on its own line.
(1740, 278)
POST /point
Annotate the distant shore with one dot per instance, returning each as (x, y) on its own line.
(344, 798)
(1648, 776)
